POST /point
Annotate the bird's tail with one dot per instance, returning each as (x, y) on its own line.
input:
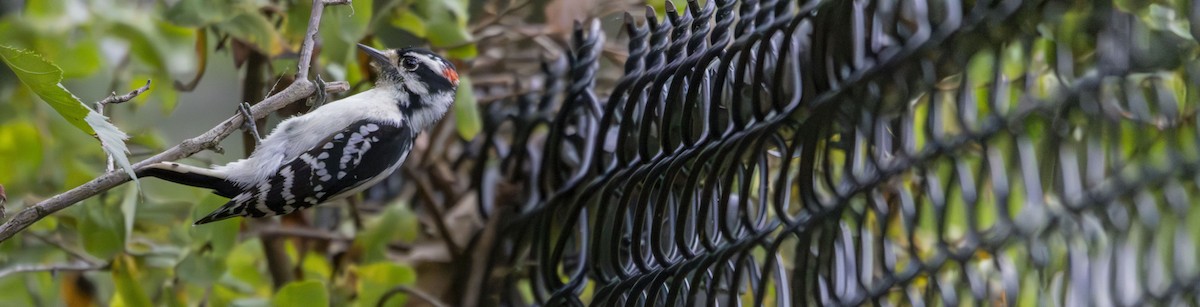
(235, 207)
(192, 176)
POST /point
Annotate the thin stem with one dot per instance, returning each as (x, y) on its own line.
(72, 266)
(439, 223)
(413, 292)
(115, 99)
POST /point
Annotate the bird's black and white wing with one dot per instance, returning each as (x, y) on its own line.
(345, 162)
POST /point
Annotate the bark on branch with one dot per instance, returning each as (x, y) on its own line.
(300, 89)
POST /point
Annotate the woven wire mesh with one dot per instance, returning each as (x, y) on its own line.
(853, 152)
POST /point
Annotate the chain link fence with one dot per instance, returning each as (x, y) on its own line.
(853, 152)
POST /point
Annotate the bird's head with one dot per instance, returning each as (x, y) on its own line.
(425, 82)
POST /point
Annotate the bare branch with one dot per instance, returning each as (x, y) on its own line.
(72, 251)
(337, 87)
(3, 199)
(414, 292)
(439, 223)
(114, 99)
(299, 232)
(73, 266)
(300, 89)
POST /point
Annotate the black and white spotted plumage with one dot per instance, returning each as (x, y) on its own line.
(344, 164)
(335, 151)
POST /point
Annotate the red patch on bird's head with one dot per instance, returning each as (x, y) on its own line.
(451, 75)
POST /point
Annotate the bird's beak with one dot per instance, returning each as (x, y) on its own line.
(379, 56)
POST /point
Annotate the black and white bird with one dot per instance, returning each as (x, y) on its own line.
(337, 150)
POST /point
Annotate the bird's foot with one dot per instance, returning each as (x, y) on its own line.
(320, 96)
(248, 121)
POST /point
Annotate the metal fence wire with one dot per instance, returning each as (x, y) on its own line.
(855, 152)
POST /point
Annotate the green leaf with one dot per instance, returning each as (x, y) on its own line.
(347, 24)
(255, 29)
(466, 112)
(456, 7)
(243, 263)
(302, 293)
(467, 51)
(295, 22)
(129, 210)
(100, 229)
(200, 13)
(442, 23)
(21, 147)
(202, 268)
(395, 221)
(221, 236)
(43, 78)
(166, 47)
(78, 59)
(451, 31)
(410, 22)
(376, 279)
(14, 290)
(125, 277)
(316, 267)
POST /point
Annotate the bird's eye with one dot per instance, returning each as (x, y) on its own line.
(409, 64)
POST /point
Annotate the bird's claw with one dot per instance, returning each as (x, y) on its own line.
(248, 121)
(319, 97)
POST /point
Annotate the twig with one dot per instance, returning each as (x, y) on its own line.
(298, 232)
(414, 292)
(3, 199)
(114, 99)
(276, 85)
(278, 263)
(78, 254)
(334, 87)
(497, 16)
(300, 89)
(355, 216)
(73, 266)
(428, 202)
(477, 276)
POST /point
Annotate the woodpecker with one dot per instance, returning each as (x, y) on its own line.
(338, 149)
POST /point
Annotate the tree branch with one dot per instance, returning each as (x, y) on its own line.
(299, 232)
(414, 292)
(115, 99)
(73, 266)
(300, 89)
(438, 222)
(72, 251)
(3, 199)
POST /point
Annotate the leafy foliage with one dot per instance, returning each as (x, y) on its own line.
(43, 78)
(132, 242)
(302, 293)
